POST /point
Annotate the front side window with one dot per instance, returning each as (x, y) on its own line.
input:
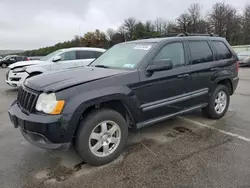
(174, 52)
(49, 56)
(222, 51)
(125, 55)
(19, 58)
(67, 56)
(200, 52)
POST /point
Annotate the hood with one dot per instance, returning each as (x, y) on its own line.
(25, 63)
(58, 80)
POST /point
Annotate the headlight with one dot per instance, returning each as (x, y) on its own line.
(48, 104)
(19, 69)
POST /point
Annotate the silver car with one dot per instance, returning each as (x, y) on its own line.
(244, 58)
(60, 59)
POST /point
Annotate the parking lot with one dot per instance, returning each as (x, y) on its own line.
(187, 151)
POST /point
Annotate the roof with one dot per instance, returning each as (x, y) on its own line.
(85, 48)
(157, 40)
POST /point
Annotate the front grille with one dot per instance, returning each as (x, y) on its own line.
(15, 79)
(26, 100)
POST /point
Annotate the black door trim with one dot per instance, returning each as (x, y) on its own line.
(162, 118)
(175, 99)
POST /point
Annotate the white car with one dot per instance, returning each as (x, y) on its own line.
(60, 59)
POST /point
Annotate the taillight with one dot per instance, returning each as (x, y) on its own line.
(237, 66)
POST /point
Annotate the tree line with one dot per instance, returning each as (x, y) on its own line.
(223, 19)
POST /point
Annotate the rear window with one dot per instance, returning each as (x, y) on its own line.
(222, 51)
(200, 52)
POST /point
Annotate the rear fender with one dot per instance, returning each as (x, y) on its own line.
(222, 75)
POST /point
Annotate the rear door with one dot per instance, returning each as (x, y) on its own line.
(201, 58)
(86, 57)
(224, 57)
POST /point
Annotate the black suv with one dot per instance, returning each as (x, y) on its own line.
(132, 85)
(12, 59)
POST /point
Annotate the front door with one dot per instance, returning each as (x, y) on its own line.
(163, 92)
(68, 60)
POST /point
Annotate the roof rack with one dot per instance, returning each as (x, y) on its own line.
(196, 34)
(185, 34)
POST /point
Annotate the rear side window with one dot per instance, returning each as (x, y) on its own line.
(98, 54)
(19, 58)
(200, 52)
(67, 56)
(222, 51)
(87, 54)
(174, 52)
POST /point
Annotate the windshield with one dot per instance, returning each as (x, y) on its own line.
(47, 57)
(124, 55)
(8, 57)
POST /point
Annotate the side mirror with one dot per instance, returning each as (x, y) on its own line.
(57, 58)
(160, 65)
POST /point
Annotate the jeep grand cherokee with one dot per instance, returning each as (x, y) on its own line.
(134, 84)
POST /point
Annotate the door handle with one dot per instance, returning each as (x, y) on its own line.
(215, 69)
(183, 76)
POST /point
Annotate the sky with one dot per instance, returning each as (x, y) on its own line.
(32, 24)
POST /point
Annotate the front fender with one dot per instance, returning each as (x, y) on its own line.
(76, 106)
(35, 69)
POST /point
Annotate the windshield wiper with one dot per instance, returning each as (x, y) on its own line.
(102, 66)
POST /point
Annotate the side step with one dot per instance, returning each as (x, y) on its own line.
(162, 118)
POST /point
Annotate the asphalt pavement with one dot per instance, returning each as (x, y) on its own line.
(187, 151)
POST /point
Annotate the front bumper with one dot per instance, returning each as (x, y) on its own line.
(44, 131)
(15, 79)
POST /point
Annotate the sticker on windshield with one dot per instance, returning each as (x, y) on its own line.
(142, 47)
(129, 65)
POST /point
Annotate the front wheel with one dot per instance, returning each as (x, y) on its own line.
(101, 137)
(218, 103)
(4, 65)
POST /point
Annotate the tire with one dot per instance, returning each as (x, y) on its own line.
(210, 110)
(4, 65)
(83, 141)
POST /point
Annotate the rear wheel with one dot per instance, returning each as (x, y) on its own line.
(101, 137)
(218, 103)
(4, 65)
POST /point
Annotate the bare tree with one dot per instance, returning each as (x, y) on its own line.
(123, 32)
(217, 18)
(203, 26)
(246, 25)
(110, 33)
(225, 21)
(129, 25)
(184, 22)
(149, 26)
(159, 23)
(173, 28)
(195, 14)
